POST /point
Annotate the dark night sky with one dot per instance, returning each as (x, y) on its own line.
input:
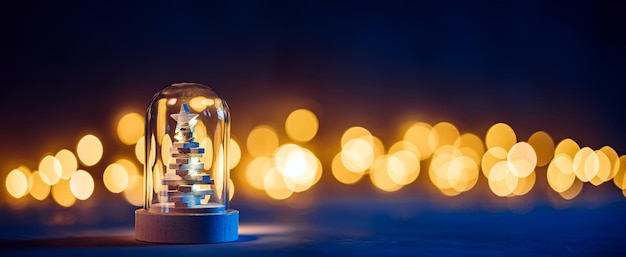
(537, 65)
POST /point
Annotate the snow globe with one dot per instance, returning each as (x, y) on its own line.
(186, 168)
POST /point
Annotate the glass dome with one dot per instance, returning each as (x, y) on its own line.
(187, 135)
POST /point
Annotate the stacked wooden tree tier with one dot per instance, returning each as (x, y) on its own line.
(183, 188)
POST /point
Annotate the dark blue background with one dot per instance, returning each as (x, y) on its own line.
(537, 65)
(68, 67)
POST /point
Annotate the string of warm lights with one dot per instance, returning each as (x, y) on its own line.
(452, 160)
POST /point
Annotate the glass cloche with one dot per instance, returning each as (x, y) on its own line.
(186, 169)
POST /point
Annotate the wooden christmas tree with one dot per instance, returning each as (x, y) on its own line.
(183, 186)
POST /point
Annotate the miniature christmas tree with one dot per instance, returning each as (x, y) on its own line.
(186, 188)
(183, 186)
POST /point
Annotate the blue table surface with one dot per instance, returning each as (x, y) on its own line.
(358, 228)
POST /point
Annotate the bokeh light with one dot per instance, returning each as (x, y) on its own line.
(525, 184)
(404, 145)
(451, 171)
(444, 133)
(256, 170)
(567, 146)
(82, 185)
(491, 157)
(573, 191)
(501, 135)
(50, 170)
(200, 131)
(509, 173)
(342, 174)
(134, 192)
(299, 167)
(161, 122)
(543, 144)
(522, 159)
(29, 176)
(130, 128)
(131, 169)
(219, 176)
(275, 186)
(231, 189)
(17, 183)
(502, 181)
(379, 175)
(613, 160)
(89, 150)
(115, 178)
(157, 175)
(420, 135)
(62, 194)
(207, 157)
(290, 169)
(472, 146)
(357, 154)
(604, 169)
(152, 151)
(620, 178)
(586, 164)
(199, 103)
(166, 144)
(567, 166)
(262, 141)
(140, 151)
(403, 167)
(40, 190)
(301, 125)
(359, 149)
(234, 154)
(355, 132)
(560, 173)
(68, 161)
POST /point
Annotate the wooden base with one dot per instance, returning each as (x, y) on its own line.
(186, 228)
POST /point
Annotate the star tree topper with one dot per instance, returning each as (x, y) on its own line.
(185, 122)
